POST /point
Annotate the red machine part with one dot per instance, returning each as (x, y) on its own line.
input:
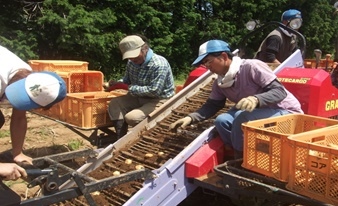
(194, 74)
(313, 88)
(205, 159)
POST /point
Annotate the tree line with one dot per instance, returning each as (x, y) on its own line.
(88, 30)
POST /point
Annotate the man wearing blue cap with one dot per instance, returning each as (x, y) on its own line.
(23, 90)
(249, 83)
(280, 43)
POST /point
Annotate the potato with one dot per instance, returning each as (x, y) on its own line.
(160, 153)
(148, 155)
(116, 173)
(96, 193)
(139, 167)
(128, 161)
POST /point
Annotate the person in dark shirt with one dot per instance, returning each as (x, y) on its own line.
(280, 43)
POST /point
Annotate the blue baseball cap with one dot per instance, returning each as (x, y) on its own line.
(211, 46)
(38, 89)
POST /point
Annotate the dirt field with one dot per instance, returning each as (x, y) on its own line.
(46, 137)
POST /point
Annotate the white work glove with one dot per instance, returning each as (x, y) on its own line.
(181, 123)
(247, 104)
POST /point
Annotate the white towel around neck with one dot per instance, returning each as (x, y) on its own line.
(228, 79)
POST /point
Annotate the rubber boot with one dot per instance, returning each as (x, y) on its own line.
(238, 156)
(228, 153)
(121, 128)
(2, 119)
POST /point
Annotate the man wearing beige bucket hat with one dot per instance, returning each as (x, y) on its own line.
(150, 83)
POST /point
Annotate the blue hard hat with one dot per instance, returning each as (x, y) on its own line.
(291, 14)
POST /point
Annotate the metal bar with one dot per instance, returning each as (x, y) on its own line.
(65, 156)
(74, 192)
(68, 169)
(93, 138)
(93, 163)
(83, 189)
(66, 124)
(271, 193)
(7, 196)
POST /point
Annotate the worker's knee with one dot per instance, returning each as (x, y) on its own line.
(224, 121)
(115, 110)
(238, 154)
(243, 117)
(134, 117)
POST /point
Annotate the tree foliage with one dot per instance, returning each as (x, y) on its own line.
(90, 30)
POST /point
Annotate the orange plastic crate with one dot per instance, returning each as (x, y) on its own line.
(60, 111)
(314, 165)
(89, 109)
(311, 63)
(58, 65)
(266, 147)
(57, 111)
(82, 81)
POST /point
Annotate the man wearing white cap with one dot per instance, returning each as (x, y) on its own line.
(249, 83)
(150, 83)
(23, 90)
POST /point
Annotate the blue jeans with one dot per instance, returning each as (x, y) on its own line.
(229, 124)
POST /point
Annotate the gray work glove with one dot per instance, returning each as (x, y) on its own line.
(247, 104)
(181, 123)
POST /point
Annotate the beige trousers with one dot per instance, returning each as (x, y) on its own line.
(132, 109)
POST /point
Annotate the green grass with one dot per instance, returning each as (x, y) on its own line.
(75, 144)
(4, 133)
(43, 132)
(180, 80)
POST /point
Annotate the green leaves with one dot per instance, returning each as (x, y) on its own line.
(90, 30)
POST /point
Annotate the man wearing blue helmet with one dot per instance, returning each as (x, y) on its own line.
(249, 83)
(280, 43)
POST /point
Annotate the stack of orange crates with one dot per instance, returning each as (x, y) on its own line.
(323, 63)
(314, 165)
(267, 148)
(85, 105)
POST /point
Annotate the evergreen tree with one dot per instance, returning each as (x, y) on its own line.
(90, 30)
